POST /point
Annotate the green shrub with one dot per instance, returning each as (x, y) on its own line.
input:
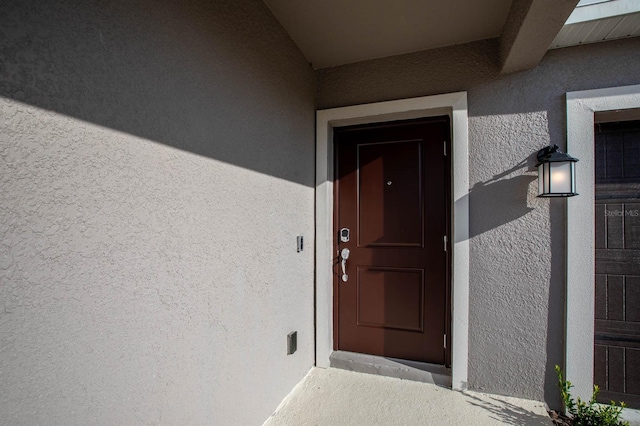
(589, 413)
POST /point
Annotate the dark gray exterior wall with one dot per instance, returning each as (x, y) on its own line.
(156, 166)
(517, 247)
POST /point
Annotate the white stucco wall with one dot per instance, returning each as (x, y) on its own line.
(157, 164)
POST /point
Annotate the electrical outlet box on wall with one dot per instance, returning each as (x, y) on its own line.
(292, 342)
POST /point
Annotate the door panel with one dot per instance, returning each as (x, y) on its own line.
(390, 298)
(392, 193)
(380, 222)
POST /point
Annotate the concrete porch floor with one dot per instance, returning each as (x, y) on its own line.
(338, 397)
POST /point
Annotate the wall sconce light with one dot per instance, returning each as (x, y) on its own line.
(556, 173)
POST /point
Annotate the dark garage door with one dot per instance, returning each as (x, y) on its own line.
(617, 316)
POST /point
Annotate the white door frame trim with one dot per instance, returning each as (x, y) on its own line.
(452, 104)
(581, 107)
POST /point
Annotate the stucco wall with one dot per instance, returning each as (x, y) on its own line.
(157, 163)
(517, 247)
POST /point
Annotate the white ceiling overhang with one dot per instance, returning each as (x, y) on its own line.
(594, 21)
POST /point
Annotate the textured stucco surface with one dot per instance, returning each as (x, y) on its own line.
(444, 70)
(157, 163)
(517, 247)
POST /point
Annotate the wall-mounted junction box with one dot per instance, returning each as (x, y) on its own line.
(292, 342)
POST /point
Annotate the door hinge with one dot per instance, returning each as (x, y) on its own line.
(445, 341)
(444, 239)
(445, 148)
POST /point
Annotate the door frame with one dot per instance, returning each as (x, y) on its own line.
(580, 298)
(452, 104)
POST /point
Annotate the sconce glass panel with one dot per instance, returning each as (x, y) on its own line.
(556, 173)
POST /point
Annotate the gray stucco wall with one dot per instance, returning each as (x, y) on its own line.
(517, 266)
(157, 163)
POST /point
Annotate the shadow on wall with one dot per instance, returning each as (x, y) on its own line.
(510, 194)
(503, 199)
(219, 79)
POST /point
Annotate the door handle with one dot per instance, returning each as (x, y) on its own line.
(344, 254)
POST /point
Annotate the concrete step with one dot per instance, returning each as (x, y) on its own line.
(392, 367)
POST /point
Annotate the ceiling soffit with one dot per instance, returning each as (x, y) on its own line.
(596, 21)
(336, 32)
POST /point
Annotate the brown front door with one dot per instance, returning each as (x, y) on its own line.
(392, 195)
